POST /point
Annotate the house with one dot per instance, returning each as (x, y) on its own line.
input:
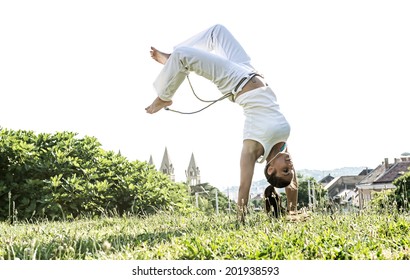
(341, 189)
(381, 178)
(358, 190)
(258, 202)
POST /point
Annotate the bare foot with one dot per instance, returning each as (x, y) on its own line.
(157, 105)
(161, 57)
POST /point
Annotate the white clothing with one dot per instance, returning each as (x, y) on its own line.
(217, 56)
(264, 122)
(213, 54)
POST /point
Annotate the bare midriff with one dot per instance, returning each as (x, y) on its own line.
(254, 83)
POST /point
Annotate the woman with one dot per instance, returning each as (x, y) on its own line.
(216, 55)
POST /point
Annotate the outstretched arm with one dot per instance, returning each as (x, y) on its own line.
(292, 193)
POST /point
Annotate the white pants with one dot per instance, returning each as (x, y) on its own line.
(213, 54)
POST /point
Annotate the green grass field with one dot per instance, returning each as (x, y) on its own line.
(171, 236)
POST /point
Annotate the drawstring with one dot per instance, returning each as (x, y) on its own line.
(212, 102)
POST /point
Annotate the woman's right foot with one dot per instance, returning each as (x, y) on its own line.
(157, 105)
(159, 56)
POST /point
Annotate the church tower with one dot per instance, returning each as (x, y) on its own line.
(192, 173)
(167, 167)
(151, 161)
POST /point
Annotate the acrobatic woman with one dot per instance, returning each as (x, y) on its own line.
(217, 56)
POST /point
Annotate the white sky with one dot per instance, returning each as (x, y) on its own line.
(340, 69)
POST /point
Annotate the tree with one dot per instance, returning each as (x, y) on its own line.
(317, 193)
(207, 196)
(402, 191)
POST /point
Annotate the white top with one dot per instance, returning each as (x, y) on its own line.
(264, 122)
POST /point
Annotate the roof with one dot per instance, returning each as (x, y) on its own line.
(366, 171)
(166, 162)
(151, 161)
(346, 195)
(192, 166)
(382, 175)
(343, 181)
(326, 179)
(376, 173)
(394, 172)
(257, 197)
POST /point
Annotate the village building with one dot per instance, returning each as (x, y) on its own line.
(342, 189)
(326, 180)
(192, 173)
(358, 190)
(346, 191)
(193, 177)
(381, 179)
(167, 166)
(151, 161)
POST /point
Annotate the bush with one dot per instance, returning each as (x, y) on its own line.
(59, 176)
(383, 201)
(402, 191)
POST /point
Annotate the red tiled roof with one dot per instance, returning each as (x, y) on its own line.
(375, 174)
(393, 172)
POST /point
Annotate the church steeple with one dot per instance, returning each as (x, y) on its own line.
(151, 161)
(166, 166)
(193, 173)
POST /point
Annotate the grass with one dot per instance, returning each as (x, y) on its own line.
(164, 236)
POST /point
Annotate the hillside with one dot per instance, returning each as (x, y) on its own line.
(319, 174)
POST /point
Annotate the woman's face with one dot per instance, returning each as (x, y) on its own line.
(282, 166)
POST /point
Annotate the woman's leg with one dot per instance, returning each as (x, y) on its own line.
(224, 73)
(226, 68)
(219, 40)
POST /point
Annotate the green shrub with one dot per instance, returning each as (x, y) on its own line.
(383, 201)
(61, 176)
(402, 191)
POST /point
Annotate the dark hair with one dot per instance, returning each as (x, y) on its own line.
(273, 202)
(274, 180)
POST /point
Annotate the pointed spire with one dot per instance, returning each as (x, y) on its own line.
(166, 165)
(192, 163)
(151, 161)
(166, 162)
(193, 173)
